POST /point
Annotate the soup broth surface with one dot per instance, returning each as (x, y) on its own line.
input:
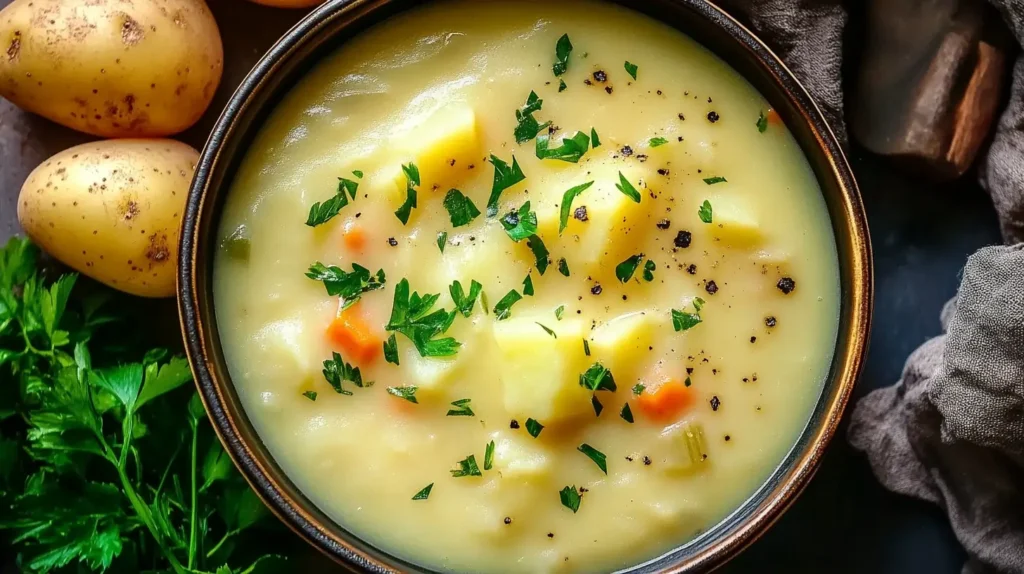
(659, 355)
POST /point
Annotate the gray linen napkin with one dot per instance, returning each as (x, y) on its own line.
(951, 431)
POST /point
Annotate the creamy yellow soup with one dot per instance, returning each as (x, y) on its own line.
(696, 275)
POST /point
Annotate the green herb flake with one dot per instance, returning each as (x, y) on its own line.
(540, 253)
(462, 409)
(407, 393)
(489, 456)
(533, 427)
(657, 142)
(391, 350)
(521, 224)
(638, 389)
(504, 178)
(597, 378)
(595, 455)
(311, 395)
(465, 302)
(714, 180)
(705, 212)
(337, 371)
(424, 493)
(321, 213)
(357, 173)
(527, 127)
(682, 321)
(503, 310)
(442, 240)
(649, 268)
(595, 142)
(467, 467)
(561, 86)
(562, 50)
(570, 498)
(528, 286)
(238, 245)
(571, 150)
(598, 407)
(627, 188)
(566, 208)
(411, 316)
(631, 69)
(687, 382)
(626, 413)
(563, 266)
(460, 208)
(625, 270)
(586, 347)
(559, 312)
(547, 330)
(350, 286)
(762, 122)
(412, 181)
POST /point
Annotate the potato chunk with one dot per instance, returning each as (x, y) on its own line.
(623, 343)
(443, 147)
(284, 352)
(734, 222)
(428, 374)
(521, 457)
(540, 374)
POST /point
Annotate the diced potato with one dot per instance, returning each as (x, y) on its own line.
(540, 374)
(521, 457)
(285, 356)
(489, 258)
(443, 147)
(623, 343)
(687, 449)
(429, 374)
(734, 222)
(389, 182)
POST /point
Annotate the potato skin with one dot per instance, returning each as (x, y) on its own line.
(111, 210)
(111, 68)
(289, 3)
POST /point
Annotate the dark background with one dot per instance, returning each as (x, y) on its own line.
(922, 234)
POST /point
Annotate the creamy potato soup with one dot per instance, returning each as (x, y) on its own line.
(526, 286)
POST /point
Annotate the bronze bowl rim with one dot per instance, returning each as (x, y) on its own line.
(278, 492)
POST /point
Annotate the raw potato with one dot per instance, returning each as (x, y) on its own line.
(111, 68)
(111, 210)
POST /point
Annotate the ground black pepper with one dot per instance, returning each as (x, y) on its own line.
(392, 242)
(727, 438)
(508, 519)
(692, 269)
(682, 117)
(713, 116)
(551, 534)
(786, 285)
(689, 370)
(647, 461)
(682, 240)
(600, 76)
(711, 287)
(596, 289)
(769, 321)
(626, 151)
(663, 224)
(715, 403)
(581, 213)
(608, 89)
(662, 171)
(514, 424)
(753, 339)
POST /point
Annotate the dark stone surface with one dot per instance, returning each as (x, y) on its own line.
(845, 521)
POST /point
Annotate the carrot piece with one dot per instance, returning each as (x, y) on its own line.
(666, 402)
(351, 333)
(354, 237)
(774, 117)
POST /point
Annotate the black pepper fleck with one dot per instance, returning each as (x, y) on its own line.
(508, 519)
(713, 116)
(600, 76)
(682, 117)
(663, 224)
(715, 403)
(626, 151)
(689, 370)
(728, 438)
(629, 458)
(596, 289)
(711, 287)
(786, 285)
(769, 321)
(581, 213)
(682, 241)
(551, 534)
(608, 89)
(662, 171)
(392, 242)
(647, 461)
(514, 424)
(692, 269)
(753, 339)
(588, 82)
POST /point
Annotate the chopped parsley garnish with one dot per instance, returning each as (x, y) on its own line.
(528, 286)
(337, 371)
(407, 393)
(627, 188)
(540, 253)
(442, 240)
(547, 330)
(626, 413)
(463, 302)
(503, 310)
(559, 312)
(566, 207)
(321, 213)
(657, 142)
(684, 321)
(714, 180)
(527, 127)
(595, 142)
(571, 150)
(597, 377)
(762, 122)
(705, 211)
(504, 178)
(533, 427)
(649, 268)
(638, 389)
(462, 409)
(311, 395)
(425, 493)
(391, 350)
(412, 181)
(349, 286)
(598, 407)
(586, 348)
(520, 225)
(489, 456)
(594, 455)
(631, 68)
(561, 86)
(570, 498)
(562, 50)
(357, 173)
(460, 208)
(563, 266)
(411, 316)
(625, 270)
(467, 467)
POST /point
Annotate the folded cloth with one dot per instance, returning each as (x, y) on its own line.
(951, 430)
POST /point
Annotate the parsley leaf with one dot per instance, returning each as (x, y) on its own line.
(685, 321)
(540, 253)
(462, 409)
(566, 207)
(594, 455)
(571, 150)
(391, 350)
(547, 330)
(595, 142)
(411, 316)
(570, 498)
(337, 371)
(463, 302)
(527, 127)
(407, 393)
(626, 413)
(559, 312)
(460, 208)
(586, 348)
(714, 180)
(598, 407)
(520, 225)
(563, 266)
(489, 456)
(412, 181)
(467, 467)
(533, 427)
(311, 395)
(638, 389)
(504, 178)
(649, 268)
(627, 188)
(349, 286)
(631, 68)
(657, 142)
(528, 285)
(705, 212)
(562, 50)
(762, 122)
(357, 173)
(597, 378)
(321, 213)
(442, 240)
(424, 493)
(503, 310)
(625, 270)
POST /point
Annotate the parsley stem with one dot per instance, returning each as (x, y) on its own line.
(223, 539)
(193, 522)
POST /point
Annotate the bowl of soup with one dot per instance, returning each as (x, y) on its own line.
(524, 286)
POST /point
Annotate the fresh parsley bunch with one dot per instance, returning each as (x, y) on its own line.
(106, 459)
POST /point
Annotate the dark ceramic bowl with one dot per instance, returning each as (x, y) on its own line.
(335, 22)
